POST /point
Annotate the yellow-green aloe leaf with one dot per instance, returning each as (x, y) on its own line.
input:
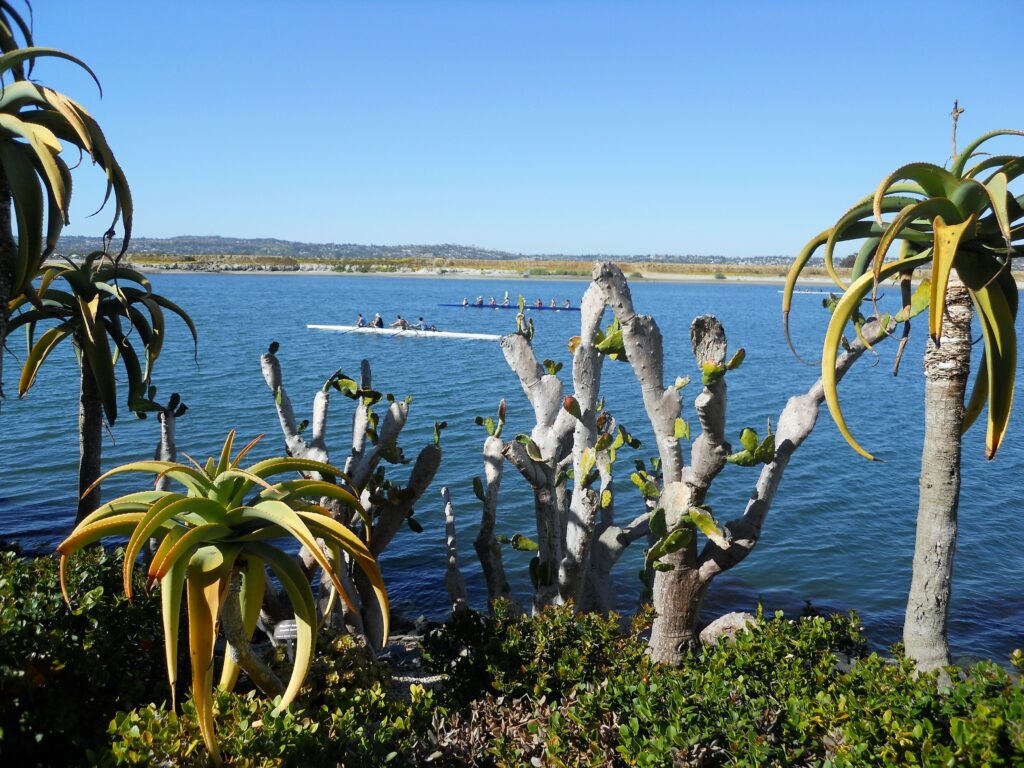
(979, 395)
(188, 543)
(962, 158)
(997, 325)
(193, 480)
(297, 588)
(991, 161)
(253, 586)
(203, 589)
(331, 529)
(18, 56)
(926, 209)
(277, 466)
(947, 242)
(844, 310)
(707, 525)
(101, 366)
(281, 514)
(155, 519)
(936, 182)
(28, 208)
(997, 191)
(305, 489)
(83, 536)
(332, 596)
(170, 538)
(248, 447)
(171, 586)
(890, 204)
(225, 453)
(38, 354)
(133, 502)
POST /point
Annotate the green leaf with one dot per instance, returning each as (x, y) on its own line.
(749, 439)
(606, 498)
(737, 360)
(707, 525)
(918, 302)
(682, 430)
(478, 489)
(524, 544)
(711, 372)
(587, 460)
(657, 524)
(552, 367)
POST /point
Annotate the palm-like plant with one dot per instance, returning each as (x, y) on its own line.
(962, 220)
(34, 120)
(212, 532)
(99, 306)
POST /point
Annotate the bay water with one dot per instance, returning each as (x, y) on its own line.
(840, 533)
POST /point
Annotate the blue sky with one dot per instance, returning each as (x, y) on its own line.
(735, 128)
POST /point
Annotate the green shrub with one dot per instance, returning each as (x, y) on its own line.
(345, 718)
(64, 672)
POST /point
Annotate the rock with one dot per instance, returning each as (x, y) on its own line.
(726, 626)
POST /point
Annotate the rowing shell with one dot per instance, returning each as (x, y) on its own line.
(407, 332)
(533, 308)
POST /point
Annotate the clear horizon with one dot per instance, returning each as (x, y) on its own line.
(739, 129)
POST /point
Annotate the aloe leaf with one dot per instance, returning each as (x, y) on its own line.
(28, 209)
(925, 209)
(919, 302)
(936, 182)
(947, 242)
(997, 324)
(38, 354)
(253, 586)
(182, 549)
(297, 588)
(171, 587)
(979, 395)
(844, 310)
(203, 591)
(962, 158)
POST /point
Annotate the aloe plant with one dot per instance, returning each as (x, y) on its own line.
(961, 221)
(100, 306)
(219, 528)
(964, 220)
(35, 120)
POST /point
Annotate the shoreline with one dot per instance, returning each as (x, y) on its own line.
(476, 274)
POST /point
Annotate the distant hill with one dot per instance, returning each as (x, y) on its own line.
(197, 245)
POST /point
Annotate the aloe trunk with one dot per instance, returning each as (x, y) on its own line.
(946, 368)
(90, 441)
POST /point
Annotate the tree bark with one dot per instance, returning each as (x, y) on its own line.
(946, 368)
(90, 441)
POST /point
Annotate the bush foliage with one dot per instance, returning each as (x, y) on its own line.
(554, 690)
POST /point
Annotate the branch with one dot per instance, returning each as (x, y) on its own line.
(485, 544)
(238, 643)
(710, 449)
(643, 344)
(795, 424)
(453, 579)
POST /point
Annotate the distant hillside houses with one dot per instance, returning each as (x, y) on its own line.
(195, 245)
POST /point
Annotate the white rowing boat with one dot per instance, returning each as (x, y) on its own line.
(406, 333)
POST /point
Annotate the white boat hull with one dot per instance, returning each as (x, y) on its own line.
(406, 333)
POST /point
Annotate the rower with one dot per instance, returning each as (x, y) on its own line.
(421, 326)
(465, 301)
(378, 321)
(553, 304)
(539, 303)
(492, 302)
(479, 301)
(400, 323)
(504, 301)
(567, 304)
(360, 322)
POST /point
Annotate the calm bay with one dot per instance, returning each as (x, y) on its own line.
(841, 531)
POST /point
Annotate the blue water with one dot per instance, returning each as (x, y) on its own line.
(840, 534)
